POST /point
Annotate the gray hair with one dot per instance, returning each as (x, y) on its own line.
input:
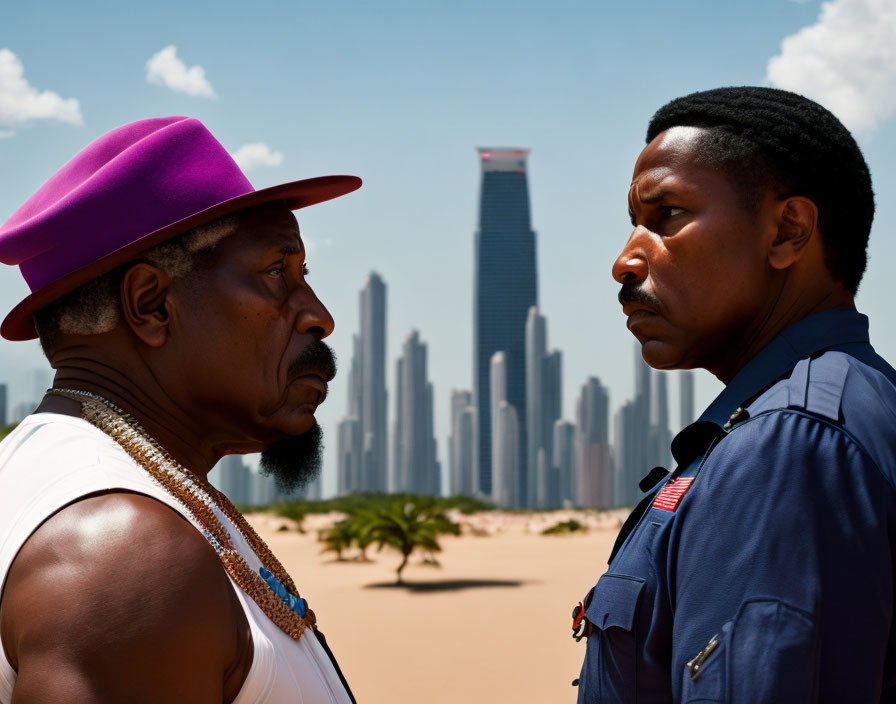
(95, 307)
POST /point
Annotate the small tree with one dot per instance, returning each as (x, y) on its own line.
(338, 537)
(406, 525)
(363, 538)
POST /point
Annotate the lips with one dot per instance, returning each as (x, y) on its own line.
(630, 309)
(639, 316)
(316, 382)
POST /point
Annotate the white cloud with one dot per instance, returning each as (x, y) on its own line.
(255, 154)
(846, 61)
(164, 68)
(20, 102)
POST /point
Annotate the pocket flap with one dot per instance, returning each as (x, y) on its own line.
(615, 601)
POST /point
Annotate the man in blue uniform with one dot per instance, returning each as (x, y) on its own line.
(761, 568)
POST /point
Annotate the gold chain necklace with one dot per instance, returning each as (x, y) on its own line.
(186, 489)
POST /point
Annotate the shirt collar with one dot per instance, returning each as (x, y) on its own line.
(817, 332)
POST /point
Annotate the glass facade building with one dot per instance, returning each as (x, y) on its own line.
(505, 282)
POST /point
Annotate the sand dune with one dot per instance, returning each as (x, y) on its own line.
(491, 625)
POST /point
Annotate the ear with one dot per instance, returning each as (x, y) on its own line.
(797, 224)
(144, 302)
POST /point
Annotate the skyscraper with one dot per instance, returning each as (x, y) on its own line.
(543, 407)
(505, 286)
(626, 452)
(417, 469)
(348, 456)
(633, 436)
(564, 462)
(367, 468)
(686, 398)
(374, 436)
(462, 455)
(506, 456)
(233, 478)
(506, 460)
(660, 453)
(593, 468)
(536, 348)
(354, 380)
(315, 490)
(552, 409)
(263, 488)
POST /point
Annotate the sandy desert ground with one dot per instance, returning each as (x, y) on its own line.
(492, 624)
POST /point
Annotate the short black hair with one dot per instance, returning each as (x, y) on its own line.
(758, 135)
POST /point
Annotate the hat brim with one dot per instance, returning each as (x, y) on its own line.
(19, 325)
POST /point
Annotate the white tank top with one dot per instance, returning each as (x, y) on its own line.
(51, 460)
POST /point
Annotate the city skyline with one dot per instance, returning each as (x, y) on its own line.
(525, 470)
(505, 287)
(410, 92)
(568, 463)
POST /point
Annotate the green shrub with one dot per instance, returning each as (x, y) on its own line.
(565, 527)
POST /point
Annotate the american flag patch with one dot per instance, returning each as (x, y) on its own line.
(671, 494)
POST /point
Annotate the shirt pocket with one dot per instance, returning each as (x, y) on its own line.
(710, 682)
(613, 612)
(766, 654)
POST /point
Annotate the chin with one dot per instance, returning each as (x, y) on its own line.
(660, 354)
(294, 460)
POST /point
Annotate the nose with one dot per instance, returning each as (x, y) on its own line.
(631, 265)
(313, 318)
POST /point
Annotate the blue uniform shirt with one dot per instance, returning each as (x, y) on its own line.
(765, 559)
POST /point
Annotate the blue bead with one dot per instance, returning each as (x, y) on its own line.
(300, 606)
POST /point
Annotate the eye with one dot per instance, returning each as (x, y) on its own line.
(275, 272)
(672, 212)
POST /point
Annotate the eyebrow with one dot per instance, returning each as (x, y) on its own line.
(655, 198)
(291, 248)
(650, 200)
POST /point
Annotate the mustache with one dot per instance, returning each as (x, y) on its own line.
(633, 293)
(316, 358)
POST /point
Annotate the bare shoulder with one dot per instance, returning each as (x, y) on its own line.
(117, 594)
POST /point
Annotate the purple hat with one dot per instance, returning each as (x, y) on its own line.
(132, 188)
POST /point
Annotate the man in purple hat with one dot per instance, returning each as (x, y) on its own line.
(171, 298)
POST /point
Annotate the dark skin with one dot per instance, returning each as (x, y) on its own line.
(718, 279)
(116, 597)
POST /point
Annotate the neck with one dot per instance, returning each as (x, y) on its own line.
(138, 393)
(782, 311)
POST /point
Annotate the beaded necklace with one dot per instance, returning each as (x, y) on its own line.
(197, 502)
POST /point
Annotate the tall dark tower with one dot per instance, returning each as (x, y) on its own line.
(374, 432)
(506, 286)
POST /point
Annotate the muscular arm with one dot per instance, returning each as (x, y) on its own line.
(117, 598)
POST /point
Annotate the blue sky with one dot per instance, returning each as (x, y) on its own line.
(401, 93)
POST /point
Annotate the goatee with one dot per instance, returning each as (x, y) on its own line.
(295, 461)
